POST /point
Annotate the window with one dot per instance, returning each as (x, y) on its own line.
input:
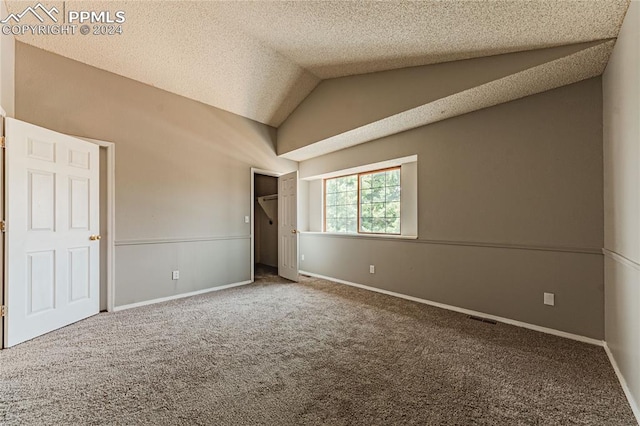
(341, 204)
(363, 203)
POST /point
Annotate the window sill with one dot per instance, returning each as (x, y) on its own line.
(346, 235)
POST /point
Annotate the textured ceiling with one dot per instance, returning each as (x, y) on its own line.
(261, 59)
(338, 38)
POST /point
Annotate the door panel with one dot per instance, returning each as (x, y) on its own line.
(80, 206)
(51, 210)
(79, 273)
(41, 189)
(287, 226)
(41, 281)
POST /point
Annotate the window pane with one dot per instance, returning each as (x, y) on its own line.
(378, 195)
(393, 177)
(367, 196)
(379, 226)
(365, 210)
(365, 181)
(341, 204)
(367, 224)
(393, 226)
(331, 211)
(352, 197)
(380, 202)
(377, 180)
(393, 193)
(392, 210)
(351, 183)
(377, 210)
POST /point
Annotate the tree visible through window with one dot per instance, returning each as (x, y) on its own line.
(341, 204)
(364, 203)
(380, 202)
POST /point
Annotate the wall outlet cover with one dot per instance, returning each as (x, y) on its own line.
(372, 269)
(549, 299)
(175, 275)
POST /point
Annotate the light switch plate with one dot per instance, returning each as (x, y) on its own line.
(246, 219)
(372, 269)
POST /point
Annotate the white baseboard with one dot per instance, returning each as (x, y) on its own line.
(179, 296)
(466, 311)
(623, 383)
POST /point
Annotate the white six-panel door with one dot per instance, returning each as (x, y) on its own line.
(52, 214)
(287, 226)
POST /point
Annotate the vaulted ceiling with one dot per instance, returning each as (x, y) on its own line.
(260, 59)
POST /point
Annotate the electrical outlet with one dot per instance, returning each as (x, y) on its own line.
(372, 269)
(175, 275)
(549, 299)
(302, 257)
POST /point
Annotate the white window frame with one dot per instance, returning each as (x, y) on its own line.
(359, 201)
(314, 207)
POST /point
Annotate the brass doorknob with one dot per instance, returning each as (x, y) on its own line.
(293, 231)
(95, 237)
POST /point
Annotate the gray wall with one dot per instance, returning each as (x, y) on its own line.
(510, 206)
(621, 84)
(182, 171)
(341, 104)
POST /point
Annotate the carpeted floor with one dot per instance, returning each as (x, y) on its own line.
(280, 353)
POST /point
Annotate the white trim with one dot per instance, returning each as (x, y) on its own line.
(178, 296)
(361, 235)
(623, 383)
(256, 171)
(621, 259)
(111, 219)
(414, 239)
(3, 245)
(179, 240)
(395, 162)
(465, 311)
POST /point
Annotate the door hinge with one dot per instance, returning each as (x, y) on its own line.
(3, 226)
(3, 311)
(3, 142)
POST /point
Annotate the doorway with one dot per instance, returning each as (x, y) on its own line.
(265, 224)
(107, 163)
(280, 219)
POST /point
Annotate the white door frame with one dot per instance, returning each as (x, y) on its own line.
(254, 172)
(111, 218)
(3, 245)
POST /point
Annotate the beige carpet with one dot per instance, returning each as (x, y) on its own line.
(279, 353)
